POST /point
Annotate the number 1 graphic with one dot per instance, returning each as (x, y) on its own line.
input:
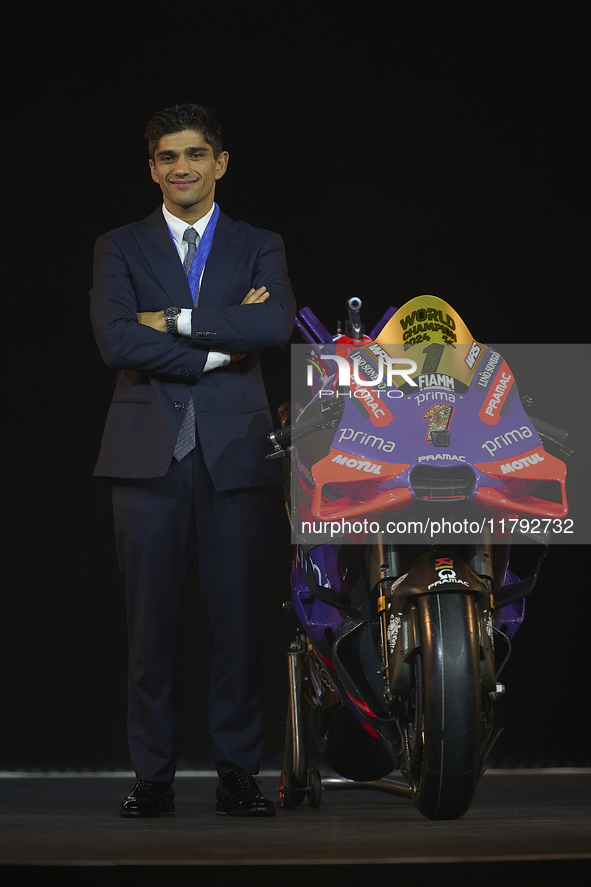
(439, 416)
(432, 354)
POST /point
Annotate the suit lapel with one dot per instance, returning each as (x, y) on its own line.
(221, 263)
(159, 252)
(154, 240)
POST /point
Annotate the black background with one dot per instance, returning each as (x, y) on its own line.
(399, 148)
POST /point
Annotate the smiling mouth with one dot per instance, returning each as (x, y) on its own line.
(184, 183)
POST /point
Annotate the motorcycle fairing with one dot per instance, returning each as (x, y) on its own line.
(510, 496)
(327, 628)
(357, 479)
(463, 407)
(318, 616)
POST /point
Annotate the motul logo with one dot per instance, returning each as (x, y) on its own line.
(359, 464)
(518, 464)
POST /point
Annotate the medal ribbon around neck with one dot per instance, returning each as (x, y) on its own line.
(202, 254)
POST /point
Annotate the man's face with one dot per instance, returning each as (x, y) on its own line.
(187, 171)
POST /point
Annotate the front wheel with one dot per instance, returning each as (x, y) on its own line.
(444, 725)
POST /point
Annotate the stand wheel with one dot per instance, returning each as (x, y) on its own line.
(315, 790)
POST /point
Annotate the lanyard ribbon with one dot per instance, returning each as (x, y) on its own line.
(201, 255)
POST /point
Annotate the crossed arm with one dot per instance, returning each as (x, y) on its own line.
(157, 321)
(129, 339)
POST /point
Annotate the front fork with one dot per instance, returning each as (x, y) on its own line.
(295, 755)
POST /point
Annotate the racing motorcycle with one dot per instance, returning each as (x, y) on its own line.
(415, 466)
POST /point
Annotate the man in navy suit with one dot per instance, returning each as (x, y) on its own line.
(181, 304)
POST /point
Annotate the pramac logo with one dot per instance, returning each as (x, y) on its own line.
(500, 389)
(446, 573)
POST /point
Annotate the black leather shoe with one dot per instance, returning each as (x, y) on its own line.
(149, 799)
(238, 795)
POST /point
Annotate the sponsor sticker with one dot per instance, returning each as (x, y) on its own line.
(446, 573)
(507, 439)
(487, 372)
(358, 464)
(446, 576)
(523, 462)
(442, 457)
(371, 404)
(366, 440)
(499, 396)
(473, 354)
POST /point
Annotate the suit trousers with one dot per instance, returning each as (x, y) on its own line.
(161, 526)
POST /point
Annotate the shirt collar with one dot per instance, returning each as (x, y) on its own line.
(177, 227)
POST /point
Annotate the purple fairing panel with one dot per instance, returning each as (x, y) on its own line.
(315, 615)
(509, 618)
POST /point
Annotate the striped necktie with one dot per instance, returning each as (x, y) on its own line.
(186, 439)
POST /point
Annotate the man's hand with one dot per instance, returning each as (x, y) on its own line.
(253, 297)
(256, 297)
(155, 319)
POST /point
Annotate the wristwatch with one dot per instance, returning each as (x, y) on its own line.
(171, 316)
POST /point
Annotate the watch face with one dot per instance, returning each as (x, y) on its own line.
(171, 312)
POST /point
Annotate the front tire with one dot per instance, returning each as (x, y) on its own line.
(445, 737)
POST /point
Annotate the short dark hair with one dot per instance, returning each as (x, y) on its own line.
(181, 117)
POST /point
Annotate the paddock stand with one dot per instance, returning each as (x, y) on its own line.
(296, 781)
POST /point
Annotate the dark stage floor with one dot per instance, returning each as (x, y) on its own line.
(534, 820)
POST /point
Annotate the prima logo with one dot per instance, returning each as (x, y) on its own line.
(437, 396)
(506, 440)
(366, 440)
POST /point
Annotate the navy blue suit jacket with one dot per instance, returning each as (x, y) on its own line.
(137, 268)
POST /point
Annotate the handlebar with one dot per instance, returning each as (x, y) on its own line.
(550, 432)
(319, 416)
(557, 434)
